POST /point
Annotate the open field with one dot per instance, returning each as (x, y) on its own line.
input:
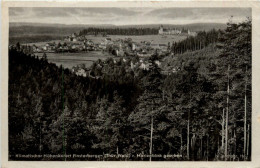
(158, 39)
(68, 60)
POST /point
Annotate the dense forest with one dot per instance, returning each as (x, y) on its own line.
(148, 29)
(119, 31)
(200, 112)
(202, 40)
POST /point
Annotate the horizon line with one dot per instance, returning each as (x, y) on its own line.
(120, 24)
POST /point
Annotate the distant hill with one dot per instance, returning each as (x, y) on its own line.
(34, 32)
(193, 27)
(20, 28)
(19, 24)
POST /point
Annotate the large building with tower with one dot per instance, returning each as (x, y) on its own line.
(164, 31)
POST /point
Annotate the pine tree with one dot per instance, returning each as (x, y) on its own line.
(149, 108)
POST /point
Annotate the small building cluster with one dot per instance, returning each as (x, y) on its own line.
(164, 31)
(65, 46)
(74, 37)
(119, 47)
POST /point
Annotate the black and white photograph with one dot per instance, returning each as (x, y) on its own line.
(130, 84)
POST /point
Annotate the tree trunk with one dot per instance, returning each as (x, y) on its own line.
(151, 139)
(192, 145)
(207, 147)
(181, 144)
(235, 146)
(223, 130)
(163, 94)
(218, 148)
(247, 149)
(245, 125)
(201, 154)
(188, 127)
(40, 147)
(226, 136)
(18, 96)
(188, 136)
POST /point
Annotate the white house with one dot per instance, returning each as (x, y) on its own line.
(158, 62)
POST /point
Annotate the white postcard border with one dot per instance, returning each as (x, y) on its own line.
(136, 164)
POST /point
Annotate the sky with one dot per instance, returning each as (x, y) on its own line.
(127, 16)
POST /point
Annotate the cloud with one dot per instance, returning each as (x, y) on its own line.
(121, 16)
(64, 12)
(200, 14)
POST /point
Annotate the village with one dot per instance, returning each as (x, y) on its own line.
(116, 46)
(120, 48)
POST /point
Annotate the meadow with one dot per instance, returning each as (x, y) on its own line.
(68, 60)
(157, 39)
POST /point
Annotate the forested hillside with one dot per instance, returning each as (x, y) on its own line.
(201, 111)
(119, 31)
(47, 102)
(202, 40)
